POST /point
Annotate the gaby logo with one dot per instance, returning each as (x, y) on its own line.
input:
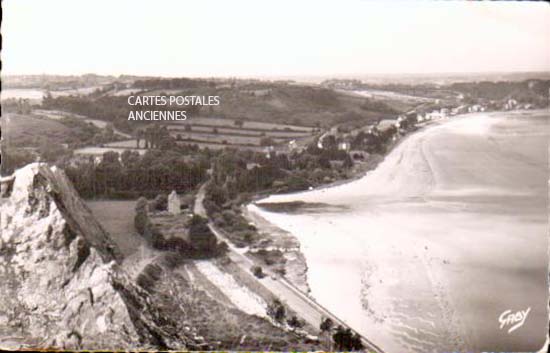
(514, 320)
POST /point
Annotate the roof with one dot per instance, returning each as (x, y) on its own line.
(386, 124)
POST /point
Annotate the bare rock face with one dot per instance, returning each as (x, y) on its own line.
(60, 282)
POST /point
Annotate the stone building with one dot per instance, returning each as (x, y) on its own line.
(174, 203)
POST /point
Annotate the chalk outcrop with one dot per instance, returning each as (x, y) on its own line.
(61, 286)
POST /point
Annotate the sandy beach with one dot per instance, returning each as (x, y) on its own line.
(425, 252)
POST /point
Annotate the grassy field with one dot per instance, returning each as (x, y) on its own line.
(221, 146)
(32, 131)
(230, 130)
(247, 124)
(225, 139)
(117, 218)
(214, 133)
(131, 145)
(218, 133)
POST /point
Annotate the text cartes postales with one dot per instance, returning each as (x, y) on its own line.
(173, 107)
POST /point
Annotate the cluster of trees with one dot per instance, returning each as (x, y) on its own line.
(84, 133)
(130, 175)
(155, 137)
(329, 152)
(342, 339)
(236, 174)
(232, 173)
(201, 237)
(142, 223)
(373, 142)
(201, 241)
(231, 220)
(346, 340)
(277, 312)
(231, 176)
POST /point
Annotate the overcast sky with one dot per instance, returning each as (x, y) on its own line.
(272, 38)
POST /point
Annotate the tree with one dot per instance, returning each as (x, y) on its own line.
(200, 236)
(258, 271)
(141, 219)
(217, 194)
(295, 323)
(348, 162)
(222, 248)
(345, 340)
(129, 159)
(161, 202)
(356, 343)
(326, 325)
(339, 338)
(329, 142)
(276, 311)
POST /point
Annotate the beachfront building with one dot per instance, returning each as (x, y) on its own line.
(386, 125)
(510, 104)
(459, 110)
(476, 108)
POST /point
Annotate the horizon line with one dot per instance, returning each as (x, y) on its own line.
(248, 76)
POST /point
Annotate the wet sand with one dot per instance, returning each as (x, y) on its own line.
(424, 253)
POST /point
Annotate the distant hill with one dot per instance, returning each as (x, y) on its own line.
(271, 102)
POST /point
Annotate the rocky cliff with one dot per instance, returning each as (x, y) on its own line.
(60, 282)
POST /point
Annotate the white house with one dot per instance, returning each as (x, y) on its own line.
(344, 146)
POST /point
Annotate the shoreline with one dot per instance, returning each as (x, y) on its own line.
(298, 268)
(356, 175)
(296, 265)
(437, 256)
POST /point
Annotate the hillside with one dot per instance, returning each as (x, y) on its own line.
(291, 104)
(61, 285)
(64, 284)
(263, 101)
